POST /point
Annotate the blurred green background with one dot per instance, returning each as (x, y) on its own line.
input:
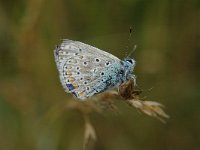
(167, 34)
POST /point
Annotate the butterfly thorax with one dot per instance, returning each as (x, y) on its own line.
(128, 65)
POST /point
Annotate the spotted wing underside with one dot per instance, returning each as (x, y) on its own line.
(80, 67)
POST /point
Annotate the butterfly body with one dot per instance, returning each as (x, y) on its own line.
(85, 70)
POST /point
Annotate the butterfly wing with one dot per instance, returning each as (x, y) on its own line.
(80, 67)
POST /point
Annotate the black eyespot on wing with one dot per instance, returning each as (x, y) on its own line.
(121, 72)
(107, 63)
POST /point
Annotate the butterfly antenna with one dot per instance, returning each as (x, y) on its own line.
(129, 39)
(134, 48)
(129, 43)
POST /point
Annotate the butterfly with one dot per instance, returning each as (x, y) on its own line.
(85, 70)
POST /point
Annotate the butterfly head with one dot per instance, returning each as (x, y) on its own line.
(128, 66)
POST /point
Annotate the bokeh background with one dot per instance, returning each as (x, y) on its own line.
(32, 101)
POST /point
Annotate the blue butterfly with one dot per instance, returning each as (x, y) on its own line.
(85, 70)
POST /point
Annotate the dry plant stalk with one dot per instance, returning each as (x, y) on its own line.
(132, 97)
(90, 134)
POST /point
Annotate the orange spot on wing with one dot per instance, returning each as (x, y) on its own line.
(68, 73)
(71, 79)
(82, 93)
(75, 85)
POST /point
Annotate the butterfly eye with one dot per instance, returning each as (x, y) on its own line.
(130, 60)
